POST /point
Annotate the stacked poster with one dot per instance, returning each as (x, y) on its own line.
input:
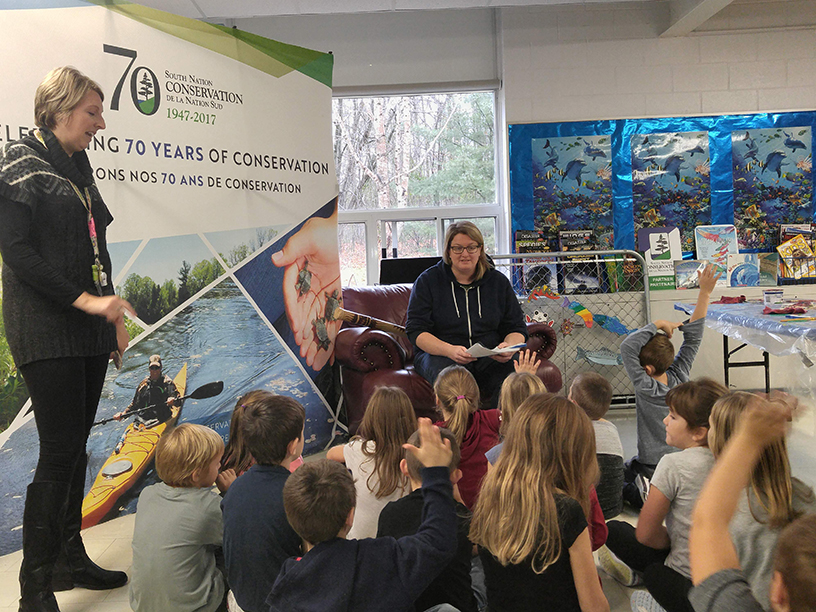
(660, 247)
(753, 270)
(581, 274)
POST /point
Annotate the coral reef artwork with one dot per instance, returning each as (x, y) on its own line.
(671, 183)
(572, 186)
(773, 182)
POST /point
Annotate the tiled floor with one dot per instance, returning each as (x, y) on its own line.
(109, 545)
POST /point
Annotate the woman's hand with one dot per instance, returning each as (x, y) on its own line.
(527, 362)
(111, 307)
(460, 355)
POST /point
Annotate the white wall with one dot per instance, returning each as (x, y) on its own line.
(587, 62)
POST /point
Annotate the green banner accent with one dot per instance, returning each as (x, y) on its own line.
(274, 58)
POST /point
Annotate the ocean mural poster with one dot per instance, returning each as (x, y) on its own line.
(773, 182)
(572, 186)
(670, 182)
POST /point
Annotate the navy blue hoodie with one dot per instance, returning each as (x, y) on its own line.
(485, 311)
(385, 574)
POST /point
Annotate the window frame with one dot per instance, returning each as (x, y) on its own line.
(373, 218)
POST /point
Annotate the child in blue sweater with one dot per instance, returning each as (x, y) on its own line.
(338, 575)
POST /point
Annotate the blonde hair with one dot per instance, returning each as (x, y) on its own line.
(458, 395)
(549, 450)
(470, 230)
(514, 390)
(771, 478)
(60, 92)
(388, 422)
(186, 449)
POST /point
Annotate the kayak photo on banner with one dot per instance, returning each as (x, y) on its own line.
(670, 182)
(773, 182)
(572, 186)
(206, 190)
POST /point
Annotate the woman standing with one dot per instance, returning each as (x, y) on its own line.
(62, 319)
(461, 301)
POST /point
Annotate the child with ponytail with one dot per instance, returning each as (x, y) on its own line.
(373, 457)
(476, 431)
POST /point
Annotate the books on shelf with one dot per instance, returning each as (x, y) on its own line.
(753, 269)
(660, 247)
(537, 272)
(797, 258)
(789, 230)
(714, 243)
(579, 274)
(530, 241)
(687, 273)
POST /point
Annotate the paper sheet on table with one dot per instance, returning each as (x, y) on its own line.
(477, 350)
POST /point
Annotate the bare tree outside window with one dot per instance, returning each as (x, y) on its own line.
(414, 153)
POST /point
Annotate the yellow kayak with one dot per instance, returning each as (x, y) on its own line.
(123, 468)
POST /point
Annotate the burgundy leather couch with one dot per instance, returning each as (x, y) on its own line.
(370, 358)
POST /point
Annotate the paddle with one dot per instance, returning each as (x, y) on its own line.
(203, 392)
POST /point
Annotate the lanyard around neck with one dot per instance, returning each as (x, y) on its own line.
(97, 270)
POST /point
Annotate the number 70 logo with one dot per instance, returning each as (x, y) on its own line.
(144, 86)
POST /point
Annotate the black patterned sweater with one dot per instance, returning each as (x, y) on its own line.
(47, 252)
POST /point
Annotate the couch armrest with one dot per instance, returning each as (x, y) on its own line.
(366, 350)
(541, 339)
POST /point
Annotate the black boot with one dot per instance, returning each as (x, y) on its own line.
(42, 532)
(74, 567)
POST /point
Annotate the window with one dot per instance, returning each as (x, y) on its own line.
(407, 166)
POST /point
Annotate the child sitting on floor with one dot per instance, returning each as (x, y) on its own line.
(593, 394)
(404, 516)
(660, 552)
(340, 575)
(653, 368)
(772, 500)
(530, 521)
(178, 527)
(720, 583)
(237, 459)
(476, 431)
(257, 536)
(373, 456)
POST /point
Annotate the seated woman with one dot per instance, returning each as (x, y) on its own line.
(461, 301)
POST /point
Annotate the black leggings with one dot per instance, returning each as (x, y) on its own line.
(669, 587)
(64, 394)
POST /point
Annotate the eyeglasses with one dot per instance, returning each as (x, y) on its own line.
(458, 249)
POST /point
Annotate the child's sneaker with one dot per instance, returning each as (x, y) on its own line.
(642, 601)
(616, 568)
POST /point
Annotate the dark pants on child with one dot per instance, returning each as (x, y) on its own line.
(669, 588)
(488, 372)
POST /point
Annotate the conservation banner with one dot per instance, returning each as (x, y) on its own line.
(217, 165)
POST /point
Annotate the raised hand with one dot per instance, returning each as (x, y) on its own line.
(433, 450)
(311, 288)
(527, 362)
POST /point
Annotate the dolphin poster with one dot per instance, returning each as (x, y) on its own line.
(572, 186)
(773, 182)
(670, 182)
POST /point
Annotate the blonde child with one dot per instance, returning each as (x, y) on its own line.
(514, 390)
(661, 552)
(476, 431)
(373, 456)
(178, 526)
(720, 583)
(530, 521)
(773, 499)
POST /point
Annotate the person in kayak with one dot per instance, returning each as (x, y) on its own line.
(157, 394)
